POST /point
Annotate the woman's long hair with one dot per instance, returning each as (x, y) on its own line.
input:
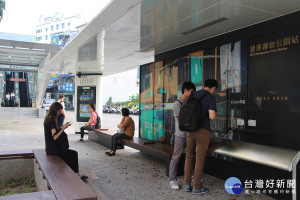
(93, 106)
(52, 112)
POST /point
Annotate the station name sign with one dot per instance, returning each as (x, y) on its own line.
(18, 79)
(18, 68)
(273, 46)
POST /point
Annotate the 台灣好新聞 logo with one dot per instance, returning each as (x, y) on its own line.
(233, 185)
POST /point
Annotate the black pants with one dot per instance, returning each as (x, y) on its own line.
(114, 140)
(88, 128)
(6, 103)
(71, 159)
(13, 101)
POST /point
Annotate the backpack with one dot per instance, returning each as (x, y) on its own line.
(98, 122)
(190, 114)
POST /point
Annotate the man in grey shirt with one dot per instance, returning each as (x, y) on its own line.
(180, 136)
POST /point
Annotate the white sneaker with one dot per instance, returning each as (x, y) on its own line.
(174, 185)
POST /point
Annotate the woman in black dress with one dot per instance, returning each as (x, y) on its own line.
(56, 140)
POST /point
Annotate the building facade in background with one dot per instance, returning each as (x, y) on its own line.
(58, 29)
(62, 84)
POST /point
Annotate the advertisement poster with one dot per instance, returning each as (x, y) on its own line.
(86, 96)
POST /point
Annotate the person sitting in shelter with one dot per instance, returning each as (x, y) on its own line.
(126, 131)
(56, 140)
(92, 123)
(7, 99)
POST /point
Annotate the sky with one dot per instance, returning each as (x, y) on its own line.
(22, 16)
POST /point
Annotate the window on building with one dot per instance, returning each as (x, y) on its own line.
(39, 38)
(40, 30)
(46, 37)
(63, 25)
(48, 19)
(69, 24)
(52, 28)
(37, 31)
(46, 29)
(57, 26)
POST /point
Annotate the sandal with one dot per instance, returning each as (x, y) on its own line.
(111, 154)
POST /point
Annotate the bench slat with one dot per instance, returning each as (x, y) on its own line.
(139, 143)
(62, 180)
(105, 131)
(43, 195)
(19, 153)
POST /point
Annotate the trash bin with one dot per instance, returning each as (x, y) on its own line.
(33, 104)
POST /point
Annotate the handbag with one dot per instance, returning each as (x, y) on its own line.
(120, 131)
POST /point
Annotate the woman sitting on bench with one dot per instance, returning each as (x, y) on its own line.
(126, 131)
(91, 124)
(56, 140)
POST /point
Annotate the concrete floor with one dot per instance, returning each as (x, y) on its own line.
(128, 175)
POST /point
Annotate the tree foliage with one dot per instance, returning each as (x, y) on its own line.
(2, 8)
(109, 102)
(133, 102)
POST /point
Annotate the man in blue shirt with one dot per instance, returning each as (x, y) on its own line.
(200, 139)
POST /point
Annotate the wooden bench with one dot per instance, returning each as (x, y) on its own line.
(102, 137)
(159, 150)
(61, 179)
(43, 195)
(63, 182)
(156, 149)
(25, 154)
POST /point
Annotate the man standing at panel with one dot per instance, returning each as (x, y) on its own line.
(180, 136)
(200, 139)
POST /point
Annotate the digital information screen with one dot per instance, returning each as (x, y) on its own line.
(86, 96)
